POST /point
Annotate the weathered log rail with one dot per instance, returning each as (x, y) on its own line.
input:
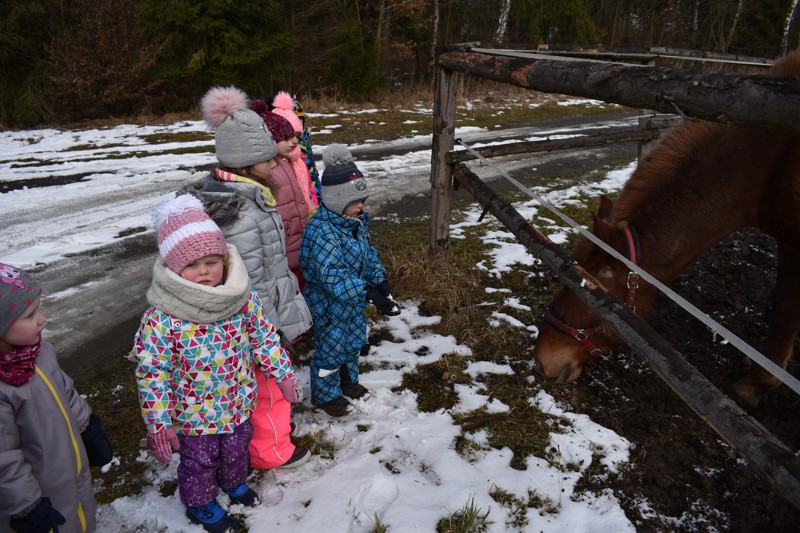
(736, 99)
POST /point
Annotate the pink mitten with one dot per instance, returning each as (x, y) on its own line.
(162, 443)
(291, 390)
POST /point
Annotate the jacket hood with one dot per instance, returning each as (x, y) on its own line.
(221, 202)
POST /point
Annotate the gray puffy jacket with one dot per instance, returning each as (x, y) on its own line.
(257, 232)
(41, 451)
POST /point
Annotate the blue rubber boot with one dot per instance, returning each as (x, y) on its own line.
(212, 517)
(244, 495)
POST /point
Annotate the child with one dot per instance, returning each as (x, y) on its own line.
(306, 151)
(197, 348)
(343, 272)
(45, 483)
(284, 105)
(239, 198)
(295, 195)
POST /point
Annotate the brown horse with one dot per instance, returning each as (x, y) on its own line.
(701, 182)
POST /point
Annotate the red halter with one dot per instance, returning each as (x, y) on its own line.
(583, 335)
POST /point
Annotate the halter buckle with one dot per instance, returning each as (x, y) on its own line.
(633, 280)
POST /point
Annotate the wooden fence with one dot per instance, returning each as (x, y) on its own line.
(738, 99)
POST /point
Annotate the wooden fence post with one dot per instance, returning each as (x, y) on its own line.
(444, 128)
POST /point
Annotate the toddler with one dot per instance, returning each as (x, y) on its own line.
(45, 483)
(198, 347)
(343, 272)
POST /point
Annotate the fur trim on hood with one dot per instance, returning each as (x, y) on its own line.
(222, 203)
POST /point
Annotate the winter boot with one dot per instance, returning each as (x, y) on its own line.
(212, 517)
(354, 390)
(300, 456)
(244, 495)
(350, 389)
(337, 407)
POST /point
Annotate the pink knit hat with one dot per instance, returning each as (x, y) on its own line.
(186, 233)
(283, 105)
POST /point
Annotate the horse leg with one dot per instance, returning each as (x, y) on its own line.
(784, 324)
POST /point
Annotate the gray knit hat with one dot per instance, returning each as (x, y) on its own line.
(342, 183)
(18, 290)
(240, 135)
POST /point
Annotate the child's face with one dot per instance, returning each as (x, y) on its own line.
(261, 172)
(27, 329)
(353, 209)
(206, 271)
(284, 147)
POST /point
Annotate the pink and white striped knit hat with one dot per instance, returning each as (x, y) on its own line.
(185, 232)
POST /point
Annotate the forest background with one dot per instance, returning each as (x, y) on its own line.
(63, 61)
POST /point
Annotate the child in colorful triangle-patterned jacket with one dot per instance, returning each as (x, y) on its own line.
(197, 349)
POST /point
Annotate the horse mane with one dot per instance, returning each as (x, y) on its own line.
(788, 65)
(668, 160)
(660, 168)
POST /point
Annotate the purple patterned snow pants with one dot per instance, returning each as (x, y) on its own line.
(209, 461)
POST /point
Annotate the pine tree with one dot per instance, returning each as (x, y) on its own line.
(217, 42)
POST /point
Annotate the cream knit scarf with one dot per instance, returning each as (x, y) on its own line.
(183, 299)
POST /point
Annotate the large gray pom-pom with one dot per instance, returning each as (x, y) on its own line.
(336, 154)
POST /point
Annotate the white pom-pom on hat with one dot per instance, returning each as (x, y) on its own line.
(176, 206)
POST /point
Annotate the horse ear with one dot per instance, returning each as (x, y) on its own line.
(601, 227)
(604, 211)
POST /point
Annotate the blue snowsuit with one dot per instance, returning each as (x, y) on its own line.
(340, 265)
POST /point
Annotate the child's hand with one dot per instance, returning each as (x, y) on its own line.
(384, 304)
(287, 345)
(385, 288)
(98, 449)
(42, 519)
(162, 443)
(291, 389)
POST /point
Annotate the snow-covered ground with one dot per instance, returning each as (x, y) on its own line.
(115, 176)
(390, 461)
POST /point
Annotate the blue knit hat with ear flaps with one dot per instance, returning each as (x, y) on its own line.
(342, 183)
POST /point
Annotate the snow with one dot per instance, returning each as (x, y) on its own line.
(389, 460)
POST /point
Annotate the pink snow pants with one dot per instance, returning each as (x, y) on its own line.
(270, 445)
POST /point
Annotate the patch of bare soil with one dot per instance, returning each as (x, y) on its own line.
(679, 466)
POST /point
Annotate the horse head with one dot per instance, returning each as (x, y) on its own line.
(571, 334)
